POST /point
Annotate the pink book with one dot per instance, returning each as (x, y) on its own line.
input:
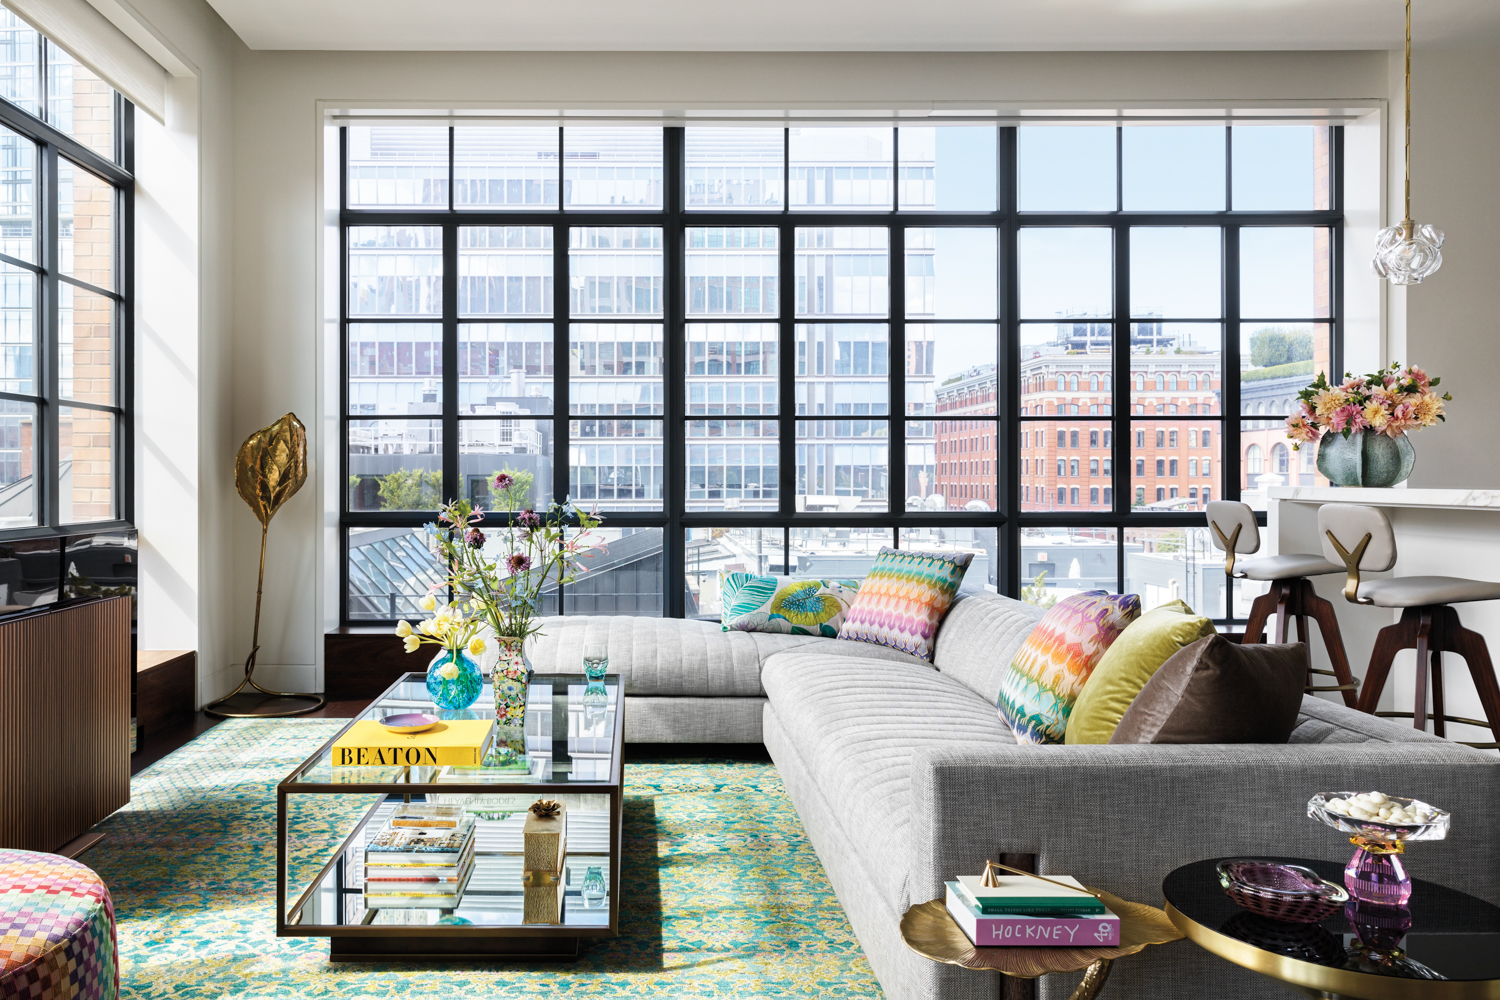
(1013, 930)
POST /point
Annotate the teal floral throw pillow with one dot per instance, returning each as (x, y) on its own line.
(784, 604)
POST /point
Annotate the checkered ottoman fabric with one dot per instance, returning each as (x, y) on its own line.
(57, 930)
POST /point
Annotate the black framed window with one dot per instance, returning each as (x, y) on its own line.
(66, 274)
(775, 350)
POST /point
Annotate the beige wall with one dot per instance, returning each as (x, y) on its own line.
(184, 295)
(1452, 320)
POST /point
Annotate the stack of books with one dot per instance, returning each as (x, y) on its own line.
(1030, 913)
(422, 858)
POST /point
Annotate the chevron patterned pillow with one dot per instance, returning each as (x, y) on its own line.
(904, 598)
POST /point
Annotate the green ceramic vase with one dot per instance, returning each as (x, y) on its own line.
(1365, 458)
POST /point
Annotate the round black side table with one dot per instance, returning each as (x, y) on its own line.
(1449, 951)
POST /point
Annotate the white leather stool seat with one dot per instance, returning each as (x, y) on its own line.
(1292, 564)
(1419, 591)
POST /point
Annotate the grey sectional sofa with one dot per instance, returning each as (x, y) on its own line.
(904, 776)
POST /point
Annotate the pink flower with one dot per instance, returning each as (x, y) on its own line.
(503, 482)
(518, 563)
(529, 519)
(475, 538)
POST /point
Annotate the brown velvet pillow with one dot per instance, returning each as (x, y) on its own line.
(1214, 691)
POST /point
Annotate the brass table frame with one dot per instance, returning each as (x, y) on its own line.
(931, 932)
(1323, 982)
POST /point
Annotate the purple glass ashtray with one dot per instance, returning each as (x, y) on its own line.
(409, 722)
(1290, 893)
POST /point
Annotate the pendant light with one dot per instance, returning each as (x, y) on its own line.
(1409, 252)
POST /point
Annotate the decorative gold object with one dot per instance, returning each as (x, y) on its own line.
(992, 881)
(1351, 565)
(271, 466)
(546, 808)
(929, 931)
(1228, 543)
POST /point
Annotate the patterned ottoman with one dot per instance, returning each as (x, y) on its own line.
(57, 930)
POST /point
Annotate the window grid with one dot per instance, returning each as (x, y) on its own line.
(56, 294)
(1005, 426)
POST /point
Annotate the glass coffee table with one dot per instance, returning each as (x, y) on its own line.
(326, 816)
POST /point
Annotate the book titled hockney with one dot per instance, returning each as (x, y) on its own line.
(1010, 930)
(368, 743)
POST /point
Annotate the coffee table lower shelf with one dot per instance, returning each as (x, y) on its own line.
(351, 948)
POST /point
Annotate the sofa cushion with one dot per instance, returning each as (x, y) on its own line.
(904, 597)
(980, 636)
(675, 656)
(784, 604)
(1217, 691)
(1128, 664)
(855, 722)
(1055, 661)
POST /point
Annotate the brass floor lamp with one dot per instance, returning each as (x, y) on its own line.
(270, 467)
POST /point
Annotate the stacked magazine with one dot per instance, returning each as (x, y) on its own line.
(421, 858)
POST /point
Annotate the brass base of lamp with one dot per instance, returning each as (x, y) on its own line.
(316, 701)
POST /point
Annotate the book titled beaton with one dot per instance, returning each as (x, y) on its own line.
(1022, 894)
(1009, 930)
(456, 741)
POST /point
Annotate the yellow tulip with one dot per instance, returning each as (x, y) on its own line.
(476, 646)
(448, 671)
(411, 643)
(403, 629)
(427, 603)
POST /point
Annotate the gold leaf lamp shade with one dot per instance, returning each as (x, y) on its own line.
(269, 469)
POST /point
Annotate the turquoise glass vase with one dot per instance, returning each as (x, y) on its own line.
(459, 690)
(1365, 458)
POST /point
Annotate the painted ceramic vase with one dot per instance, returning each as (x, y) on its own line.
(511, 677)
(1365, 458)
(453, 680)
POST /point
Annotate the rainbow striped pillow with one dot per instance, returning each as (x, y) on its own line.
(1052, 665)
(904, 597)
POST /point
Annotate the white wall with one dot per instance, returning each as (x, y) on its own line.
(1452, 320)
(276, 225)
(184, 487)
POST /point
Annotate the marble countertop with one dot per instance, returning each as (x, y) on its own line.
(1395, 497)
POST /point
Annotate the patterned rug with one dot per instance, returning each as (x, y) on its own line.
(723, 895)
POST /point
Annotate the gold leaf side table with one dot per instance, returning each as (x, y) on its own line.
(929, 931)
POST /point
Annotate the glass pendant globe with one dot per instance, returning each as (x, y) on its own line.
(1407, 253)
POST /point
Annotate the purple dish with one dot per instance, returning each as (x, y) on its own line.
(409, 722)
(1290, 893)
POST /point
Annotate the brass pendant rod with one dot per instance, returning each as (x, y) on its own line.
(1406, 204)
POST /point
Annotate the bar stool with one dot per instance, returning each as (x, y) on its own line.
(1234, 532)
(1361, 537)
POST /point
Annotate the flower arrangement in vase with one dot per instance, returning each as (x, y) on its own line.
(453, 678)
(1362, 423)
(503, 591)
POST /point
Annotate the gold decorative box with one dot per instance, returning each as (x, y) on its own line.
(544, 837)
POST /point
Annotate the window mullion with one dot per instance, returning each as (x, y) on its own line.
(1229, 370)
(674, 402)
(787, 390)
(452, 487)
(1008, 378)
(47, 480)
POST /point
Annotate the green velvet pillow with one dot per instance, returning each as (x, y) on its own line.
(1127, 665)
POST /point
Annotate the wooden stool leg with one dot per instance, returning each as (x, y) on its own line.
(1328, 624)
(1391, 640)
(1261, 609)
(1471, 646)
(1419, 695)
(1439, 726)
(1283, 593)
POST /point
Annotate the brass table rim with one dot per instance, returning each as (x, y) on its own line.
(1347, 982)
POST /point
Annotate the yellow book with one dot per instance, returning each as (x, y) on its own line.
(368, 743)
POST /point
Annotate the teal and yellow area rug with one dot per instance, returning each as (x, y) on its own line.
(722, 893)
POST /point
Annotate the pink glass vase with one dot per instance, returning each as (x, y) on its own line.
(1375, 874)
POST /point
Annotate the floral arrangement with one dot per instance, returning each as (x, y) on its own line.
(505, 593)
(1391, 401)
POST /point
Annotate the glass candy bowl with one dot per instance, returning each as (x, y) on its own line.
(1375, 873)
(1289, 893)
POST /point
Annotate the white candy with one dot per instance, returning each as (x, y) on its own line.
(1379, 807)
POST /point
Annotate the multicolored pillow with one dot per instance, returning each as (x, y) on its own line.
(784, 604)
(904, 598)
(1052, 665)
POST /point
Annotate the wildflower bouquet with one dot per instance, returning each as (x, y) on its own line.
(537, 549)
(1391, 401)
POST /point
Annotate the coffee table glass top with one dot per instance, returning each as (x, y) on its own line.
(571, 732)
(1452, 935)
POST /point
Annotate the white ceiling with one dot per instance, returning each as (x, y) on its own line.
(850, 25)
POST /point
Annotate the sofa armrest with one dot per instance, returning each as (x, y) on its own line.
(1122, 817)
